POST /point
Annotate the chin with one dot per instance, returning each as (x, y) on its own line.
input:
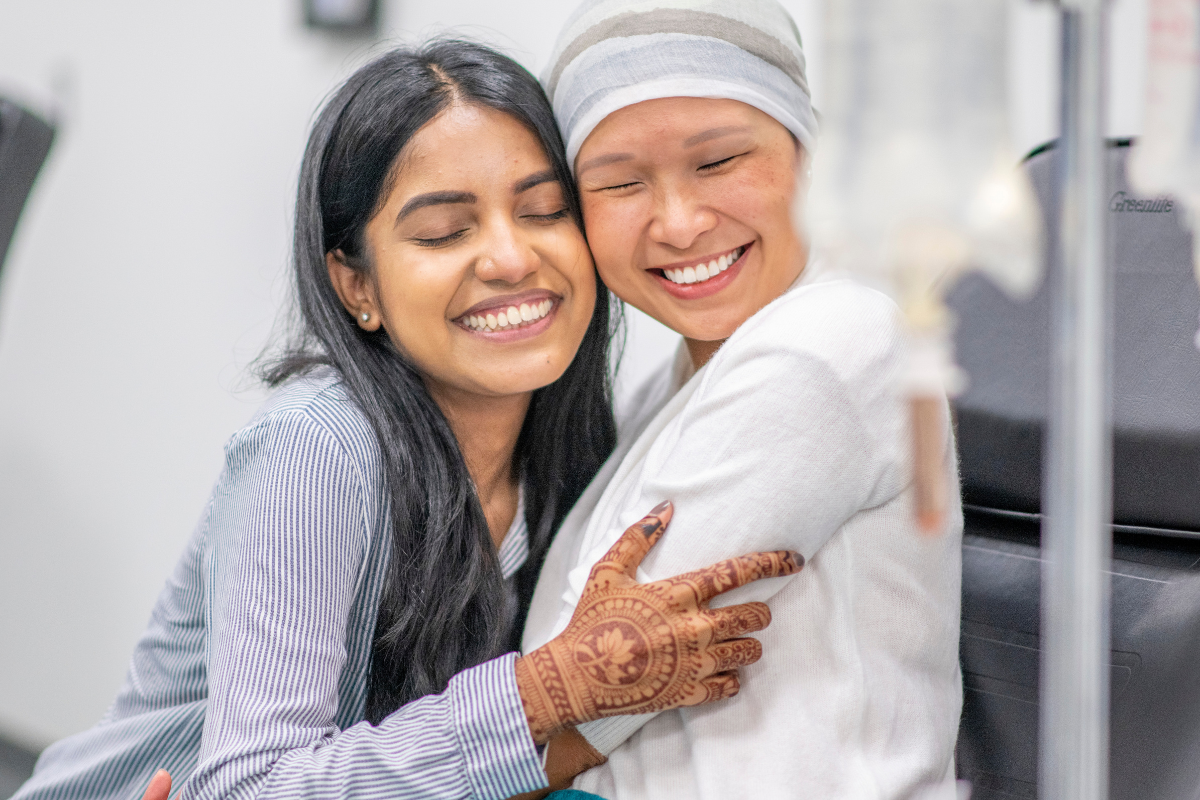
(706, 328)
(529, 378)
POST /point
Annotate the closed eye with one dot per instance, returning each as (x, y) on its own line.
(721, 163)
(557, 215)
(440, 240)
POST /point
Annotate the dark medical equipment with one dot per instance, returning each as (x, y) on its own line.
(1155, 660)
(24, 143)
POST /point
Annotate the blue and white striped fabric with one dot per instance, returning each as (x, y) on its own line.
(251, 678)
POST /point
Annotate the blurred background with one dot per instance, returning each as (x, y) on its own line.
(150, 268)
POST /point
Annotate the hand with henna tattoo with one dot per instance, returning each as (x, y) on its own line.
(635, 648)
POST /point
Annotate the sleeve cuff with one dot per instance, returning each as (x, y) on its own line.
(608, 733)
(492, 731)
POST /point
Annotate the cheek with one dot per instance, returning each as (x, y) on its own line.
(613, 229)
(762, 200)
(415, 296)
(581, 275)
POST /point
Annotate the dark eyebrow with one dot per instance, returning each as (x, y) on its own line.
(602, 161)
(434, 199)
(536, 179)
(714, 133)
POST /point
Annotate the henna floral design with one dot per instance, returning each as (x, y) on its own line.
(734, 621)
(613, 653)
(633, 648)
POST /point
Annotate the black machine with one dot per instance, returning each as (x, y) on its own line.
(1001, 420)
(24, 144)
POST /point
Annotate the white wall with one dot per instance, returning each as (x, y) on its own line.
(149, 268)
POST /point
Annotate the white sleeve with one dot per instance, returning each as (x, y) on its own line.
(795, 429)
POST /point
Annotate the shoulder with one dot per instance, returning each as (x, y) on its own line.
(816, 371)
(310, 414)
(828, 357)
(835, 327)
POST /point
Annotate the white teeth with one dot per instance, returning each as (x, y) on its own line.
(508, 317)
(703, 272)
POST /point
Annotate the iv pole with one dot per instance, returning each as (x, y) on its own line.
(1076, 538)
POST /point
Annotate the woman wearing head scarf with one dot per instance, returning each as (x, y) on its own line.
(689, 127)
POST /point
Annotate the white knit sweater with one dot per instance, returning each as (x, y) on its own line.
(792, 437)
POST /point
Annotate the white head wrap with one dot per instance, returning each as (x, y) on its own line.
(614, 53)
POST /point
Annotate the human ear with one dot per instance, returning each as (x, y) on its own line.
(355, 290)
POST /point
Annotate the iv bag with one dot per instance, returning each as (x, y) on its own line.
(1166, 158)
(915, 179)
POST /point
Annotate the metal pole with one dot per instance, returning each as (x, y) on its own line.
(1076, 534)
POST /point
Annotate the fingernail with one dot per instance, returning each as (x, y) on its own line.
(661, 507)
(797, 559)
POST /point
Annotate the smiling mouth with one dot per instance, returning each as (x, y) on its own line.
(508, 318)
(699, 273)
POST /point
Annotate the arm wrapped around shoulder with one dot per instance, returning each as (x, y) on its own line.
(636, 648)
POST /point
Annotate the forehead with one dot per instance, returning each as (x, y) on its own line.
(468, 144)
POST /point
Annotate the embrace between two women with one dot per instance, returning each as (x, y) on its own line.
(439, 483)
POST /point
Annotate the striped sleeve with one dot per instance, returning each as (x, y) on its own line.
(288, 553)
(470, 741)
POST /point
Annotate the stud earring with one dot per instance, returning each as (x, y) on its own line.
(366, 317)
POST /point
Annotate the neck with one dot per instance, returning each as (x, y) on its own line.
(487, 429)
(702, 351)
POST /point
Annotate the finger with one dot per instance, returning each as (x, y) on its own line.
(721, 686)
(636, 541)
(734, 621)
(160, 786)
(735, 653)
(731, 573)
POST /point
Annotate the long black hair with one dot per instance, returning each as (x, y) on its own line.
(443, 608)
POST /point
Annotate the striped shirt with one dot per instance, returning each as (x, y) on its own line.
(250, 680)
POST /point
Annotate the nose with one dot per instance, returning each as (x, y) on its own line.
(507, 255)
(679, 217)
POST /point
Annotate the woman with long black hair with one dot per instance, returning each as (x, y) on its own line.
(342, 621)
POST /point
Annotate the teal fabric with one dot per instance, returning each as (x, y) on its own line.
(573, 794)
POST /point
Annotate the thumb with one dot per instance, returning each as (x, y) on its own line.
(627, 553)
(160, 786)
